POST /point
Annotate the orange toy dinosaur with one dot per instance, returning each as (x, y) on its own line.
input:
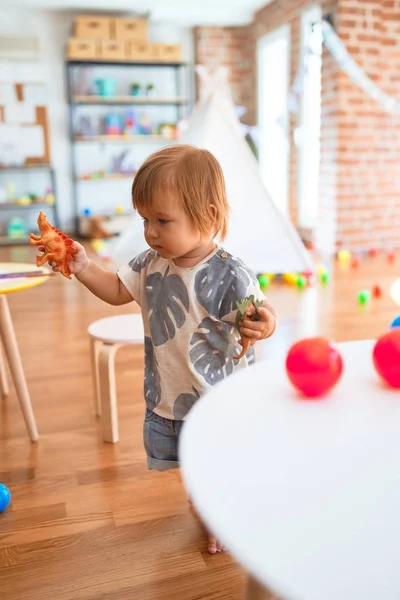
(58, 247)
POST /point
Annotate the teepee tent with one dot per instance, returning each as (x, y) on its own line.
(258, 233)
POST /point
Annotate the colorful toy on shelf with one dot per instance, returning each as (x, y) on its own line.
(97, 229)
(144, 126)
(58, 247)
(314, 366)
(119, 163)
(167, 130)
(135, 89)
(10, 190)
(84, 127)
(150, 90)
(113, 124)
(395, 322)
(105, 87)
(129, 122)
(386, 357)
(16, 228)
(5, 497)
(49, 197)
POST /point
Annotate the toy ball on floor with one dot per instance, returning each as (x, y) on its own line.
(324, 278)
(386, 357)
(364, 297)
(391, 256)
(264, 280)
(372, 252)
(301, 282)
(355, 263)
(395, 322)
(5, 497)
(344, 256)
(314, 366)
(377, 291)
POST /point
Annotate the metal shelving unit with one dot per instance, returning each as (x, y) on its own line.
(178, 102)
(20, 208)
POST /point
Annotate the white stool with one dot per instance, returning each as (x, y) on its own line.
(106, 336)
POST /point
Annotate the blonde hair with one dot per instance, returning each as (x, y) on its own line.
(196, 176)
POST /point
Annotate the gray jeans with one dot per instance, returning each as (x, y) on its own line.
(161, 439)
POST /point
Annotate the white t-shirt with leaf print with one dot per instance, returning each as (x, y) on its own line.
(189, 325)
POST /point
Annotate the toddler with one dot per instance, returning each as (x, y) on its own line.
(187, 286)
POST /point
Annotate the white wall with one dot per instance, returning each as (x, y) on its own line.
(53, 28)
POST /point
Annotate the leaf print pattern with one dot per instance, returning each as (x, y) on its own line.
(184, 403)
(213, 349)
(167, 299)
(152, 384)
(220, 283)
(142, 260)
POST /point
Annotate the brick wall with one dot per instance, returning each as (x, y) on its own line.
(360, 144)
(228, 47)
(368, 184)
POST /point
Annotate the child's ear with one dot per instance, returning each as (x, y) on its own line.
(212, 211)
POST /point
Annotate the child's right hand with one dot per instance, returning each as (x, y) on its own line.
(78, 263)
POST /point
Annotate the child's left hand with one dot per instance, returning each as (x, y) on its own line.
(258, 330)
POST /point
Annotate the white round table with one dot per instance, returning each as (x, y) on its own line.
(305, 494)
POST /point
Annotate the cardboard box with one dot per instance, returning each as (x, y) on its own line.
(140, 51)
(113, 50)
(129, 29)
(168, 52)
(78, 49)
(93, 28)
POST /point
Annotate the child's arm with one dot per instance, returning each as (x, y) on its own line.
(105, 285)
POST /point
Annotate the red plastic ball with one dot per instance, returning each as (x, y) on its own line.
(386, 357)
(391, 256)
(372, 252)
(314, 366)
(355, 263)
(377, 291)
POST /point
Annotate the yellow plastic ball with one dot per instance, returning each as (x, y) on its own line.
(344, 256)
(119, 210)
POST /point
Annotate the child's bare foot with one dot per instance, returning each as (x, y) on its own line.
(214, 545)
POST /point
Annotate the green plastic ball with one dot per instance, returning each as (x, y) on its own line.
(301, 282)
(364, 297)
(324, 278)
(264, 281)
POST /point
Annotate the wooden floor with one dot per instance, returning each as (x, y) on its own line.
(88, 520)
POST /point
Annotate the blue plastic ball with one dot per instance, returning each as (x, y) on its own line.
(396, 322)
(5, 497)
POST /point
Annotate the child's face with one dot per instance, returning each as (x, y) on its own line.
(167, 228)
